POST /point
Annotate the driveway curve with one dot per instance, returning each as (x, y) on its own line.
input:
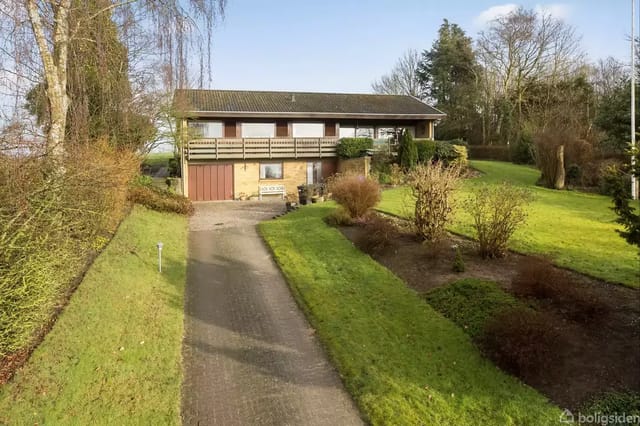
(250, 356)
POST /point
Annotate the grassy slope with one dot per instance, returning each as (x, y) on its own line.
(575, 229)
(113, 357)
(403, 362)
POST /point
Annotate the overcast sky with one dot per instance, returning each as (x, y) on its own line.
(343, 45)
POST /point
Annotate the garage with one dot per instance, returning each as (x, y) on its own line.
(210, 182)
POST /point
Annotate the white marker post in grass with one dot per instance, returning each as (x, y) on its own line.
(159, 245)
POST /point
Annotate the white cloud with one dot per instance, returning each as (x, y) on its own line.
(492, 13)
(557, 10)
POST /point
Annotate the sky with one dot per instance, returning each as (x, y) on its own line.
(344, 45)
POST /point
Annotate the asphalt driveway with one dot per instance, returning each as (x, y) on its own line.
(250, 357)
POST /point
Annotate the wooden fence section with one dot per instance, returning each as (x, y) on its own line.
(257, 148)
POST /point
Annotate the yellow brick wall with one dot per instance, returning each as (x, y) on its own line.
(246, 177)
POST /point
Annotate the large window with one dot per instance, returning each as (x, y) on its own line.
(206, 129)
(314, 172)
(270, 170)
(308, 130)
(351, 131)
(258, 130)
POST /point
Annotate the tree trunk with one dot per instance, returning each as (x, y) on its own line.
(558, 182)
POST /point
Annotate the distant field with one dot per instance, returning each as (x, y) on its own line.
(575, 229)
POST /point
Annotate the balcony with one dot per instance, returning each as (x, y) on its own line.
(260, 148)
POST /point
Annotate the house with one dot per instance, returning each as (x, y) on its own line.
(251, 143)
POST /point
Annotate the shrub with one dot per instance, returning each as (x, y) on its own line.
(490, 152)
(521, 340)
(470, 303)
(432, 186)
(408, 151)
(458, 262)
(51, 224)
(160, 199)
(396, 175)
(356, 194)
(380, 234)
(426, 150)
(539, 279)
(339, 217)
(497, 211)
(353, 147)
(615, 402)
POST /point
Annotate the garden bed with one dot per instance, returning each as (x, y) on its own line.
(597, 355)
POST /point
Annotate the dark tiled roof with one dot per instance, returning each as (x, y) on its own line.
(245, 101)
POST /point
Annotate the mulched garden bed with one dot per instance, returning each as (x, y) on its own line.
(596, 356)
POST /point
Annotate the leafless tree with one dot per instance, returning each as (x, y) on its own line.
(403, 78)
(524, 47)
(168, 34)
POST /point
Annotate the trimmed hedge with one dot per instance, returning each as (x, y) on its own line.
(160, 199)
(490, 152)
(445, 151)
(353, 147)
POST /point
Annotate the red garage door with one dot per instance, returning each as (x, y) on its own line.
(210, 182)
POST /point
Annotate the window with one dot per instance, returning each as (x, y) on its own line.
(347, 132)
(314, 172)
(308, 130)
(364, 132)
(351, 131)
(205, 129)
(258, 130)
(271, 171)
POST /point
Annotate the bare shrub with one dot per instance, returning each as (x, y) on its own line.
(161, 200)
(521, 340)
(432, 186)
(539, 279)
(497, 211)
(355, 193)
(380, 234)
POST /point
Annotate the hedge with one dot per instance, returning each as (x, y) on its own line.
(353, 147)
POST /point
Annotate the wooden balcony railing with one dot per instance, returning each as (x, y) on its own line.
(260, 148)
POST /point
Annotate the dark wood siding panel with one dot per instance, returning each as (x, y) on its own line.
(329, 129)
(230, 129)
(282, 129)
(329, 167)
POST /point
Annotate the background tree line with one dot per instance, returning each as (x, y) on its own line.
(524, 76)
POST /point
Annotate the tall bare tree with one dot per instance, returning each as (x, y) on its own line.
(523, 47)
(177, 27)
(403, 78)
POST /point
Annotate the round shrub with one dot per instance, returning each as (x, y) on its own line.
(355, 193)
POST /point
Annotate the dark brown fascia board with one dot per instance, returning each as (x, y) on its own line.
(239, 114)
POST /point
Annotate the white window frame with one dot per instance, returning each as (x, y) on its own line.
(343, 129)
(311, 130)
(263, 170)
(206, 129)
(245, 130)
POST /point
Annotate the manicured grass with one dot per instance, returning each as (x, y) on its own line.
(113, 356)
(403, 362)
(576, 230)
(470, 303)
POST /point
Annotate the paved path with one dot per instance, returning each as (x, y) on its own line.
(250, 356)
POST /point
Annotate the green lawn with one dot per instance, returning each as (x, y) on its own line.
(113, 356)
(403, 362)
(157, 159)
(576, 230)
